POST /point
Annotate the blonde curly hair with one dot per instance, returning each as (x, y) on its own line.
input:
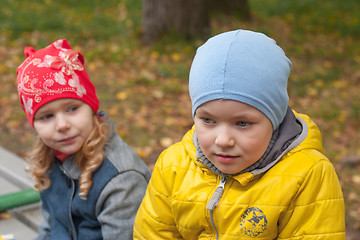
(88, 158)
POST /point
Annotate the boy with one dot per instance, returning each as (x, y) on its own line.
(250, 167)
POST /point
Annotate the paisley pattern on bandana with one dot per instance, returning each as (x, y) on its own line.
(59, 78)
(52, 73)
(28, 105)
(67, 62)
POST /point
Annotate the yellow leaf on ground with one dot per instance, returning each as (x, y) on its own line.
(356, 179)
(166, 142)
(121, 95)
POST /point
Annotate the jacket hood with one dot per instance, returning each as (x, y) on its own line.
(313, 139)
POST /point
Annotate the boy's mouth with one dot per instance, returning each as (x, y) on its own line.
(225, 158)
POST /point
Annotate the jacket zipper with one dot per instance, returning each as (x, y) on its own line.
(72, 182)
(214, 201)
(74, 234)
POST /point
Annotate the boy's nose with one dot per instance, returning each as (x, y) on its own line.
(62, 123)
(224, 137)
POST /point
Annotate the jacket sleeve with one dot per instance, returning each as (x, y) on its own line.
(154, 219)
(118, 203)
(317, 210)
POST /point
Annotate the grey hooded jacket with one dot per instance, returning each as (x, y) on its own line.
(112, 202)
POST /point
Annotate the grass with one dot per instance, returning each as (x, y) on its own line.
(144, 88)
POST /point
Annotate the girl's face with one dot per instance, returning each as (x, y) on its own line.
(64, 124)
(232, 134)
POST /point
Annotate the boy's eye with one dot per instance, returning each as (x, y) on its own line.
(208, 120)
(243, 124)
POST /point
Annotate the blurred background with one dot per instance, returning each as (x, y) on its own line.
(138, 54)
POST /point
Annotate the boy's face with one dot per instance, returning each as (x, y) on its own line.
(232, 135)
(64, 124)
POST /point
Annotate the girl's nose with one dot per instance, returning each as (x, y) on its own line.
(62, 123)
(225, 137)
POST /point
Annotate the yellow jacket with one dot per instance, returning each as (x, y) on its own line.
(298, 198)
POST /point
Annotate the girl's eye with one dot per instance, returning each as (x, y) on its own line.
(73, 108)
(46, 117)
(243, 124)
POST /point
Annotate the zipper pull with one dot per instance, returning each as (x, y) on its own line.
(217, 194)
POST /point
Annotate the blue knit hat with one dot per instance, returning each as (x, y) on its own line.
(244, 66)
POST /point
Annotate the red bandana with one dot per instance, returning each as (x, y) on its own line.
(51, 73)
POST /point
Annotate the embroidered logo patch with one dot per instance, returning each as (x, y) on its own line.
(253, 222)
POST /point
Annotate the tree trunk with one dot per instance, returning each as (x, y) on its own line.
(238, 8)
(155, 19)
(188, 18)
(191, 18)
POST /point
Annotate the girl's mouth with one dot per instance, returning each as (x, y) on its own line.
(68, 140)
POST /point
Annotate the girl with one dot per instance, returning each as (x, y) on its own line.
(91, 181)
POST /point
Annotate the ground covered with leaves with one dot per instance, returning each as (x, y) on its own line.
(145, 88)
